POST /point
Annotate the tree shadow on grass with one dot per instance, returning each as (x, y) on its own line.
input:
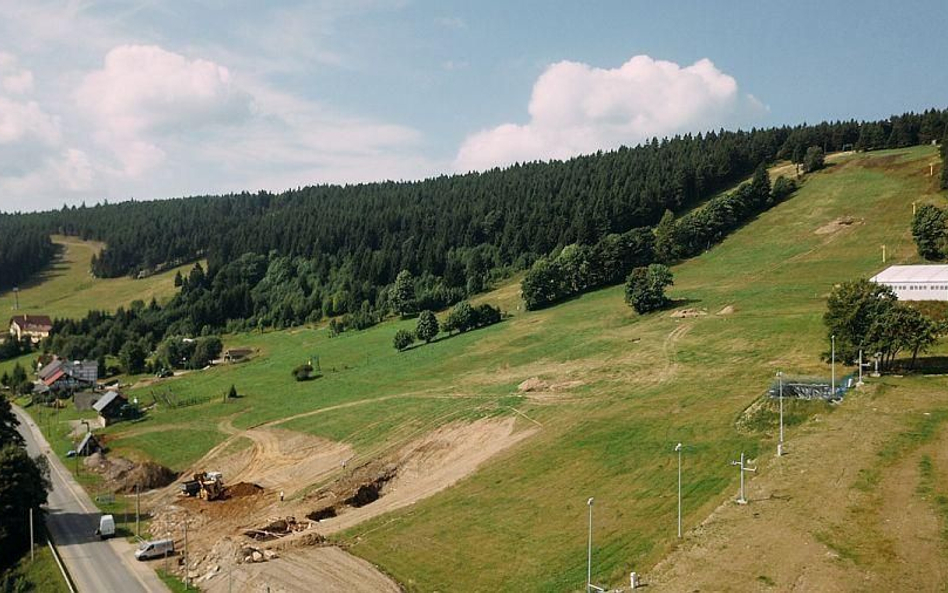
(679, 303)
(924, 365)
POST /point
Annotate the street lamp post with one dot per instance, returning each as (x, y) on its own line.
(833, 366)
(780, 395)
(589, 549)
(678, 450)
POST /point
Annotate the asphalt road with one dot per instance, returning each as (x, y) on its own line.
(95, 566)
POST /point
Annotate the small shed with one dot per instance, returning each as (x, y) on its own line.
(237, 354)
(88, 445)
(109, 407)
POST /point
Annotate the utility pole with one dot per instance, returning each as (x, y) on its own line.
(678, 450)
(860, 383)
(31, 535)
(187, 559)
(744, 468)
(589, 550)
(883, 254)
(138, 510)
(780, 442)
(16, 298)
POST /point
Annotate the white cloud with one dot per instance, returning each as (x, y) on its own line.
(576, 108)
(14, 79)
(145, 93)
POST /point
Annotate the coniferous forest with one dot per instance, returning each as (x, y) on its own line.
(276, 260)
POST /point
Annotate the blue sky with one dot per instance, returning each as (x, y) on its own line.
(113, 100)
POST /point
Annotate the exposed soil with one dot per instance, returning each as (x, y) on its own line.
(728, 310)
(533, 384)
(124, 476)
(325, 569)
(254, 536)
(431, 464)
(242, 489)
(837, 225)
(688, 313)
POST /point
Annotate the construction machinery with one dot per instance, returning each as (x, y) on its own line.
(205, 485)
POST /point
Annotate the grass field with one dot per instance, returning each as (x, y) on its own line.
(630, 388)
(40, 574)
(68, 289)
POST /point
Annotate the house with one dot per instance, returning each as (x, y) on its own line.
(916, 283)
(237, 354)
(109, 407)
(61, 375)
(34, 327)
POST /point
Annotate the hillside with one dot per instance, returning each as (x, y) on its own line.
(494, 478)
(614, 393)
(68, 289)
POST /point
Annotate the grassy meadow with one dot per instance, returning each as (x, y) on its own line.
(68, 289)
(626, 389)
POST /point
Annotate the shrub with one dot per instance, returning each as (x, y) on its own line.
(403, 339)
(304, 372)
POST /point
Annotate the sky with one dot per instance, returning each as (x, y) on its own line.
(108, 100)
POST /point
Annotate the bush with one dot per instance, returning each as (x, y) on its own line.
(304, 372)
(813, 159)
(403, 339)
(645, 288)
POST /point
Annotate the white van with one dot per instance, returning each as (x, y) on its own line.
(155, 549)
(106, 527)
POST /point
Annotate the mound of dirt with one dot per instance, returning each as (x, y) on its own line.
(728, 310)
(242, 489)
(147, 476)
(94, 461)
(831, 227)
(532, 384)
(124, 476)
(688, 313)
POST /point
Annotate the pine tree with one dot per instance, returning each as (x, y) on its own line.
(403, 294)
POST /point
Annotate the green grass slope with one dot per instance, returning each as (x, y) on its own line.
(627, 388)
(68, 289)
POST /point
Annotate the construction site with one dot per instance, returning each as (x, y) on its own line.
(250, 519)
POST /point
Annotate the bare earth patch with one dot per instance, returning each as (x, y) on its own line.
(223, 555)
(316, 569)
(431, 464)
(837, 225)
(688, 313)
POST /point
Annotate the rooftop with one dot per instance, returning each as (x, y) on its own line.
(908, 274)
(105, 400)
(32, 321)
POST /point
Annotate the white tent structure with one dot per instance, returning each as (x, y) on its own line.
(916, 283)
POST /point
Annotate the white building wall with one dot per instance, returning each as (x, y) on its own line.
(919, 291)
